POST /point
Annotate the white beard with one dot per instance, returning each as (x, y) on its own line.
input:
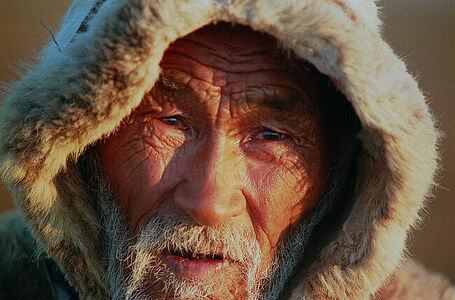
(131, 265)
(137, 269)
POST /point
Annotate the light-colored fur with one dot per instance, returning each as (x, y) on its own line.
(69, 100)
(413, 282)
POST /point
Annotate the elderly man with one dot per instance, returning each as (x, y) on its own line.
(216, 149)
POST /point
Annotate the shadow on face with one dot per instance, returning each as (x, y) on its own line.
(232, 133)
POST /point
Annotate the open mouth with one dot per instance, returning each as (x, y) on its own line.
(194, 255)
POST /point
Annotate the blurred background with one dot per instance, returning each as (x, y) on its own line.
(421, 31)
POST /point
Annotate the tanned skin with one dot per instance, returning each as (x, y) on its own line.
(229, 133)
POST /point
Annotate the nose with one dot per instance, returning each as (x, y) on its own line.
(211, 193)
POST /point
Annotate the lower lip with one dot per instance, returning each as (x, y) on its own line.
(191, 268)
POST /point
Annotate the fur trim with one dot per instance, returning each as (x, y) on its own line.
(74, 98)
(412, 281)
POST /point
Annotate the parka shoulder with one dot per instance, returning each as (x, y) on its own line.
(413, 281)
(22, 275)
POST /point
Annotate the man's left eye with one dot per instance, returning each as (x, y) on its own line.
(271, 135)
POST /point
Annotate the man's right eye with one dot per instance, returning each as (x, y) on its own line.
(175, 121)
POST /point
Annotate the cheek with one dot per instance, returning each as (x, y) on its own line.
(281, 192)
(135, 164)
(277, 194)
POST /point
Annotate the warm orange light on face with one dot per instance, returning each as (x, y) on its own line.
(216, 140)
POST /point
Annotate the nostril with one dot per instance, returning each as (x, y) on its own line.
(208, 197)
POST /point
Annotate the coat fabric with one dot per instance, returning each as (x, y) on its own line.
(107, 58)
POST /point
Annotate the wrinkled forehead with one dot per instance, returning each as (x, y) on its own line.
(238, 59)
(227, 48)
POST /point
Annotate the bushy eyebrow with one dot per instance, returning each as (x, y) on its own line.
(170, 84)
(293, 103)
(174, 88)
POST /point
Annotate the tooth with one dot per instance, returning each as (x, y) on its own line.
(218, 267)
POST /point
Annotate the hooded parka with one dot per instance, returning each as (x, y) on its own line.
(107, 58)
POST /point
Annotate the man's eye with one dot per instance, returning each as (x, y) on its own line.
(175, 121)
(270, 135)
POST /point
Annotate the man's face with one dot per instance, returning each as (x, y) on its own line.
(229, 139)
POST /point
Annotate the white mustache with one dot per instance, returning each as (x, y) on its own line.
(181, 234)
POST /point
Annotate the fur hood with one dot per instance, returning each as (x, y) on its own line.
(108, 56)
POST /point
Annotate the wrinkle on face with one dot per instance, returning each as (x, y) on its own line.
(226, 95)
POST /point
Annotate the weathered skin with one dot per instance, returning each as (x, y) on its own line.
(228, 134)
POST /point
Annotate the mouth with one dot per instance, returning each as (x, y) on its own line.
(191, 264)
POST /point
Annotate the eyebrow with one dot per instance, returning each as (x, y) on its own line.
(289, 104)
(170, 84)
